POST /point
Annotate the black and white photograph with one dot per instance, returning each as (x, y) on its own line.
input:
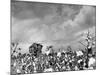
(52, 37)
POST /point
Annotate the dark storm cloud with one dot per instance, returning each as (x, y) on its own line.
(53, 23)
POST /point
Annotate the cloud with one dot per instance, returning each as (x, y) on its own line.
(27, 10)
(83, 20)
(86, 17)
(24, 30)
(43, 23)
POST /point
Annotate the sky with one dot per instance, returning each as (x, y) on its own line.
(49, 23)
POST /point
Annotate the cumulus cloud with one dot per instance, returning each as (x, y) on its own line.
(86, 17)
(50, 23)
(24, 30)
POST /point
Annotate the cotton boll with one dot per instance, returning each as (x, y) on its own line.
(79, 60)
(59, 54)
(18, 71)
(91, 61)
(48, 70)
(76, 68)
(79, 53)
(15, 64)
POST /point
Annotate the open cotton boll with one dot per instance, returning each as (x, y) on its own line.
(18, 71)
(59, 54)
(79, 53)
(91, 61)
(79, 60)
(48, 70)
